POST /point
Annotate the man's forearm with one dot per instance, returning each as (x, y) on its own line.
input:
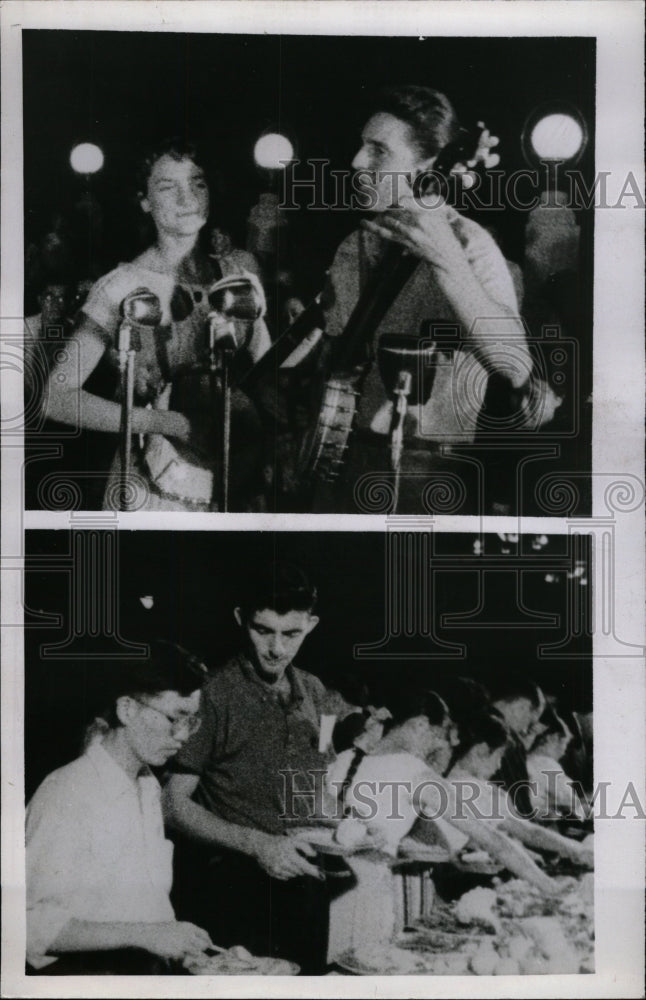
(494, 332)
(197, 822)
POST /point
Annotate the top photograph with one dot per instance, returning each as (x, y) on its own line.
(308, 274)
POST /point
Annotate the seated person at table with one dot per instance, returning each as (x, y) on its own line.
(261, 721)
(521, 704)
(483, 740)
(98, 865)
(552, 793)
(384, 793)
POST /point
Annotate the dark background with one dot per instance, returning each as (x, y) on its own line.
(195, 577)
(124, 90)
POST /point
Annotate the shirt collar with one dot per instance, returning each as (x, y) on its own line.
(111, 774)
(248, 670)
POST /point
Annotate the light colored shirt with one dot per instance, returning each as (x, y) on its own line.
(172, 355)
(451, 412)
(555, 792)
(390, 792)
(96, 851)
(177, 344)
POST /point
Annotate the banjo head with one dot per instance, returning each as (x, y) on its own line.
(325, 444)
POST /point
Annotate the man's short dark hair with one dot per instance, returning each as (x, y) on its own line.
(427, 112)
(169, 667)
(178, 149)
(279, 587)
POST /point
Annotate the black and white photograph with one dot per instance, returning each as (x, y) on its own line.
(256, 285)
(323, 617)
(363, 771)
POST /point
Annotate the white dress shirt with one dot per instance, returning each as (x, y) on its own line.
(96, 851)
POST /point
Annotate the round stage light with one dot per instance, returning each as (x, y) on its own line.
(557, 137)
(273, 151)
(554, 133)
(86, 158)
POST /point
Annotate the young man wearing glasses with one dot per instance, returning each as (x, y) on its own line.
(99, 867)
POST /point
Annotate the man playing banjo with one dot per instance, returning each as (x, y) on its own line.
(412, 394)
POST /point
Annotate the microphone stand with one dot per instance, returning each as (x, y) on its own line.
(222, 347)
(401, 392)
(127, 354)
(140, 309)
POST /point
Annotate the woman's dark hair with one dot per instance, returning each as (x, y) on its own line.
(178, 149)
(279, 587)
(554, 726)
(428, 113)
(169, 667)
(410, 704)
(482, 727)
(465, 696)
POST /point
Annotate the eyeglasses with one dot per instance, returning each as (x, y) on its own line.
(186, 723)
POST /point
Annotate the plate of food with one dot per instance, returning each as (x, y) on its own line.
(388, 962)
(395, 961)
(321, 839)
(237, 961)
(422, 938)
(477, 863)
(415, 850)
(324, 840)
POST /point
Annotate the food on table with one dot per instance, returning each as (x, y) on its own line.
(510, 929)
(237, 961)
(351, 833)
(478, 907)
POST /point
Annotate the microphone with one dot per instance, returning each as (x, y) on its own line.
(230, 299)
(235, 298)
(141, 308)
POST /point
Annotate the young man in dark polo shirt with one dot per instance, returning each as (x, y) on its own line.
(260, 730)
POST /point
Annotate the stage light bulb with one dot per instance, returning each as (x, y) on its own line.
(86, 158)
(557, 137)
(272, 151)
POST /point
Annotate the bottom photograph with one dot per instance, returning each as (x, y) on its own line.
(312, 753)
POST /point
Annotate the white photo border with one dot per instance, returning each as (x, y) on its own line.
(618, 440)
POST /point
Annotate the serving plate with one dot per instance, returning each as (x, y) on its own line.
(228, 965)
(419, 964)
(350, 963)
(323, 842)
(477, 867)
(423, 852)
